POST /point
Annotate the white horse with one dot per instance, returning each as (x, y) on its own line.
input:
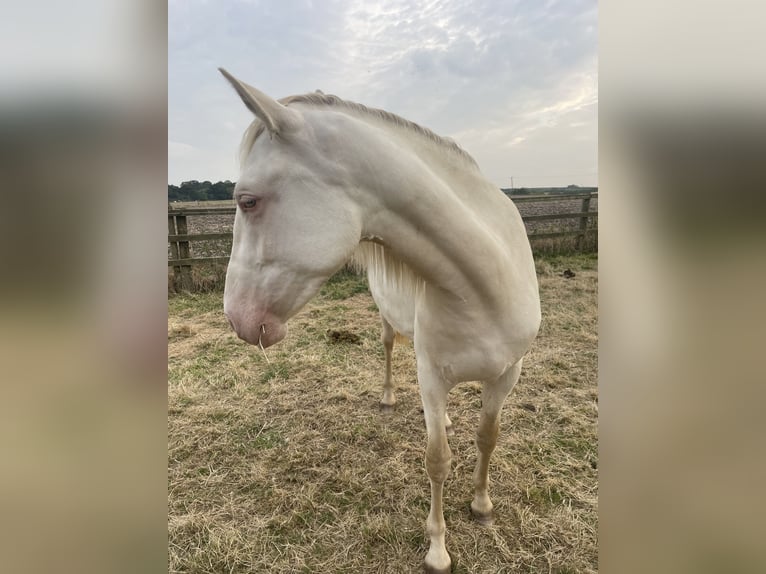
(324, 180)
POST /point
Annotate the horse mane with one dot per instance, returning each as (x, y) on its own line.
(320, 99)
(386, 270)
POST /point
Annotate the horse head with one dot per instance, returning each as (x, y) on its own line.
(295, 224)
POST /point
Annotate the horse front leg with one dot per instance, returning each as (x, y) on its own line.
(388, 400)
(492, 398)
(433, 390)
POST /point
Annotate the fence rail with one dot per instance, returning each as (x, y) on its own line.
(182, 260)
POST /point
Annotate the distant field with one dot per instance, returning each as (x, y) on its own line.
(562, 205)
(213, 203)
(282, 463)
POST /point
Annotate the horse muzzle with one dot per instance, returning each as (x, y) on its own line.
(263, 331)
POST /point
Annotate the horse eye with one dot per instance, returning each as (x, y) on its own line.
(247, 202)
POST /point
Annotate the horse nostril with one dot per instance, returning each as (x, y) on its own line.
(231, 323)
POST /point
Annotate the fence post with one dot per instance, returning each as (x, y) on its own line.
(583, 223)
(184, 253)
(174, 251)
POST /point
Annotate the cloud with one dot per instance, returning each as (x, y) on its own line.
(178, 150)
(511, 71)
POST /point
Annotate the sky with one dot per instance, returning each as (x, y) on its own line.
(514, 82)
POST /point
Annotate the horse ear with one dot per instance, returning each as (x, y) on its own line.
(276, 117)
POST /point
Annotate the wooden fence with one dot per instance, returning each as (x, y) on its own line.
(181, 258)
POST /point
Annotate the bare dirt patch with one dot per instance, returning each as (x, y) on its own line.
(283, 463)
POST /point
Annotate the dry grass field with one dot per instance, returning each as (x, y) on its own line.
(281, 462)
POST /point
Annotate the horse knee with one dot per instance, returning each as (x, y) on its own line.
(438, 460)
(486, 438)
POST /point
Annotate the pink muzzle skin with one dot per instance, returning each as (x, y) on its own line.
(263, 332)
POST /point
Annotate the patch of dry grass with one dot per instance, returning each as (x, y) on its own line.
(287, 465)
(547, 246)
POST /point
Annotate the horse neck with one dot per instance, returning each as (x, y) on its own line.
(429, 211)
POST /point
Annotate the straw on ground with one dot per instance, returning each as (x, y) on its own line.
(288, 466)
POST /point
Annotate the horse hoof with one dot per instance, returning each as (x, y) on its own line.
(483, 518)
(386, 409)
(431, 570)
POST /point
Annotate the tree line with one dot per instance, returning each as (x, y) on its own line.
(200, 191)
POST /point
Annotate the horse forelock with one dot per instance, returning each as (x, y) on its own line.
(320, 99)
